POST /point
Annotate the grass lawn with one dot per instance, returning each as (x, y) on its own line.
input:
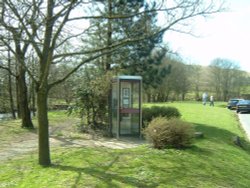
(213, 161)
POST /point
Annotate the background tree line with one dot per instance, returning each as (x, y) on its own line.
(222, 78)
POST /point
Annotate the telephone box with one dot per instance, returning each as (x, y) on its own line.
(126, 106)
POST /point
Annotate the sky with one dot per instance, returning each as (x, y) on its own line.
(224, 35)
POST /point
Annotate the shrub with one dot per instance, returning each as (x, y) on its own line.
(156, 111)
(169, 133)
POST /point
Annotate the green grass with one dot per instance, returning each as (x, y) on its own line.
(55, 116)
(216, 118)
(213, 161)
(9, 130)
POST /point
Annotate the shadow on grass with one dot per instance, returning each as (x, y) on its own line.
(221, 135)
(103, 174)
(222, 105)
(64, 142)
(122, 140)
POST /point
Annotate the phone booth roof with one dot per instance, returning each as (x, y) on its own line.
(125, 77)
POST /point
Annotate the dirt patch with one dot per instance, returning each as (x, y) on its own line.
(62, 136)
(25, 143)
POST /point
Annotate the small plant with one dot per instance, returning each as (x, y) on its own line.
(169, 133)
(156, 111)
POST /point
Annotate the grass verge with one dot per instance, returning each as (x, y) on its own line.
(213, 161)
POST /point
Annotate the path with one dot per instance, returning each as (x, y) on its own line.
(28, 143)
(245, 123)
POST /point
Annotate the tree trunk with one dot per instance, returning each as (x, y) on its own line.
(33, 102)
(22, 87)
(11, 98)
(17, 99)
(149, 97)
(43, 123)
(167, 95)
(23, 101)
(33, 99)
(183, 96)
(10, 90)
(197, 91)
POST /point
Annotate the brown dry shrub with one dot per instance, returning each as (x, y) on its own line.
(169, 133)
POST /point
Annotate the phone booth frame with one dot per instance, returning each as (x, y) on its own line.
(126, 106)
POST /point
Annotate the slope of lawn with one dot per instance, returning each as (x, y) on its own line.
(213, 161)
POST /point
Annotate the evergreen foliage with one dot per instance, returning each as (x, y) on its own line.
(92, 98)
(143, 57)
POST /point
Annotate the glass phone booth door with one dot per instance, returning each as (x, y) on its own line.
(126, 106)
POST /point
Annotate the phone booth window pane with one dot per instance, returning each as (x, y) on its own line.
(125, 94)
(135, 94)
(125, 97)
(135, 124)
(125, 124)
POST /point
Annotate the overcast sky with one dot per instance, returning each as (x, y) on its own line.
(225, 35)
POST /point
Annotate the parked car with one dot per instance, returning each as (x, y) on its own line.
(232, 103)
(243, 106)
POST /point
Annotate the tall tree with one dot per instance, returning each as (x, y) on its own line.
(13, 39)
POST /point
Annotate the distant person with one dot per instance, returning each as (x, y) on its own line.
(204, 98)
(211, 100)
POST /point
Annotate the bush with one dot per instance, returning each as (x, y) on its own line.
(156, 111)
(169, 133)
